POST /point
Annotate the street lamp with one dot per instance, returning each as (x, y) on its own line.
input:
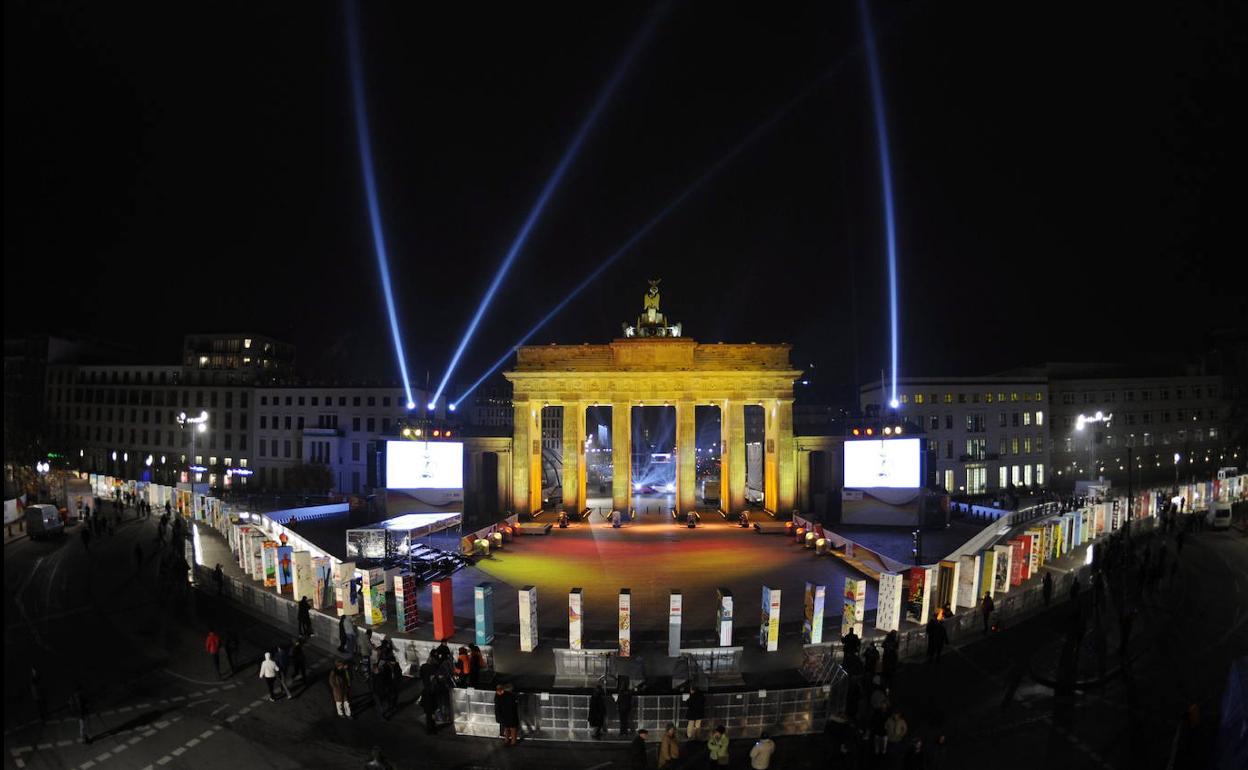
(148, 463)
(1081, 421)
(199, 425)
(1177, 457)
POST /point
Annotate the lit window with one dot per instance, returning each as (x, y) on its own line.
(1039, 418)
(1026, 418)
(1039, 474)
(948, 398)
(243, 462)
(1014, 396)
(246, 343)
(918, 398)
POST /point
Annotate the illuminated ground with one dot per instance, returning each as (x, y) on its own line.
(654, 556)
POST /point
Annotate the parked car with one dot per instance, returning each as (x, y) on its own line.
(43, 520)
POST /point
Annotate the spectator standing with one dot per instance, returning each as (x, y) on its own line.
(305, 615)
(1048, 588)
(340, 688)
(598, 710)
(638, 755)
(695, 712)
(669, 748)
(760, 754)
(717, 746)
(986, 607)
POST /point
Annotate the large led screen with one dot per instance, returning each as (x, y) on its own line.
(886, 463)
(424, 465)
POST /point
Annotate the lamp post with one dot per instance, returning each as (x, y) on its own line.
(198, 425)
(1080, 422)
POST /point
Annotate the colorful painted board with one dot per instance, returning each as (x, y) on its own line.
(888, 601)
(968, 581)
(406, 609)
(483, 612)
(813, 600)
(528, 618)
(576, 610)
(675, 609)
(304, 579)
(769, 627)
(723, 616)
(1001, 581)
(626, 623)
(855, 606)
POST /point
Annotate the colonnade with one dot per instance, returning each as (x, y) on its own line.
(779, 457)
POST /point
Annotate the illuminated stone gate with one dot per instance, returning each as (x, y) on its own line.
(653, 365)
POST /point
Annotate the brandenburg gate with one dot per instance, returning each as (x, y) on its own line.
(653, 365)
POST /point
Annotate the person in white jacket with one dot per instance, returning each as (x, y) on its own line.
(269, 672)
(760, 754)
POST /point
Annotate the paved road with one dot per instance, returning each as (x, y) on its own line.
(137, 650)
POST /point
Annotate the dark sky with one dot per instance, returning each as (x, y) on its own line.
(1069, 178)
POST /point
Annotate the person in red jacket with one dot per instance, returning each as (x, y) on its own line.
(212, 645)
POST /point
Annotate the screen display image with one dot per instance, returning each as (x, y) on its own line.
(430, 471)
(892, 463)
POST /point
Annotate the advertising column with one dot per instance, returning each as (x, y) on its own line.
(675, 606)
(723, 616)
(769, 629)
(443, 609)
(813, 600)
(576, 607)
(855, 606)
(406, 612)
(626, 623)
(888, 602)
(483, 611)
(528, 618)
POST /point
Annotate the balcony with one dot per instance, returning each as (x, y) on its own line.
(327, 432)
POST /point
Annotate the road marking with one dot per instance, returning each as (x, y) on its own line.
(208, 733)
(179, 751)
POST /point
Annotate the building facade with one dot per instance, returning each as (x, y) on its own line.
(1174, 426)
(984, 434)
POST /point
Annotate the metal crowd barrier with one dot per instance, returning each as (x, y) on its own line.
(721, 665)
(564, 717)
(581, 668)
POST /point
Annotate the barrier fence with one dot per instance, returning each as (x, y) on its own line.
(565, 717)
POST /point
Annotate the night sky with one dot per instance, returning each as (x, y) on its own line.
(1069, 179)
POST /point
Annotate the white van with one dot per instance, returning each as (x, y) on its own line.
(1219, 515)
(43, 520)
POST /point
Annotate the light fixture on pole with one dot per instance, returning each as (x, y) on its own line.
(200, 425)
(1081, 421)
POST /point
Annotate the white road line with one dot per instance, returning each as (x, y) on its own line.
(179, 751)
(207, 733)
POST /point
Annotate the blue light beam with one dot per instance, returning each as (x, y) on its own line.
(886, 179)
(548, 189)
(674, 204)
(355, 62)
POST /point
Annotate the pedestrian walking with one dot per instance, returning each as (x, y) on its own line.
(346, 635)
(598, 709)
(212, 645)
(669, 748)
(717, 746)
(760, 753)
(478, 663)
(231, 650)
(936, 638)
(429, 704)
(377, 761)
(381, 690)
(695, 712)
(879, 732)
(850, 643)
(896, 728)
(78, 707)
(870, 660)
(218, 579)
(891, 657)
(1047, 588)
(624, 707)
(340, 688)
(507, 713)
(639, 759)
(36, 692)
(269, 672)
(305, 616)
(283, 666)
(986, 608)
(299, 663)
